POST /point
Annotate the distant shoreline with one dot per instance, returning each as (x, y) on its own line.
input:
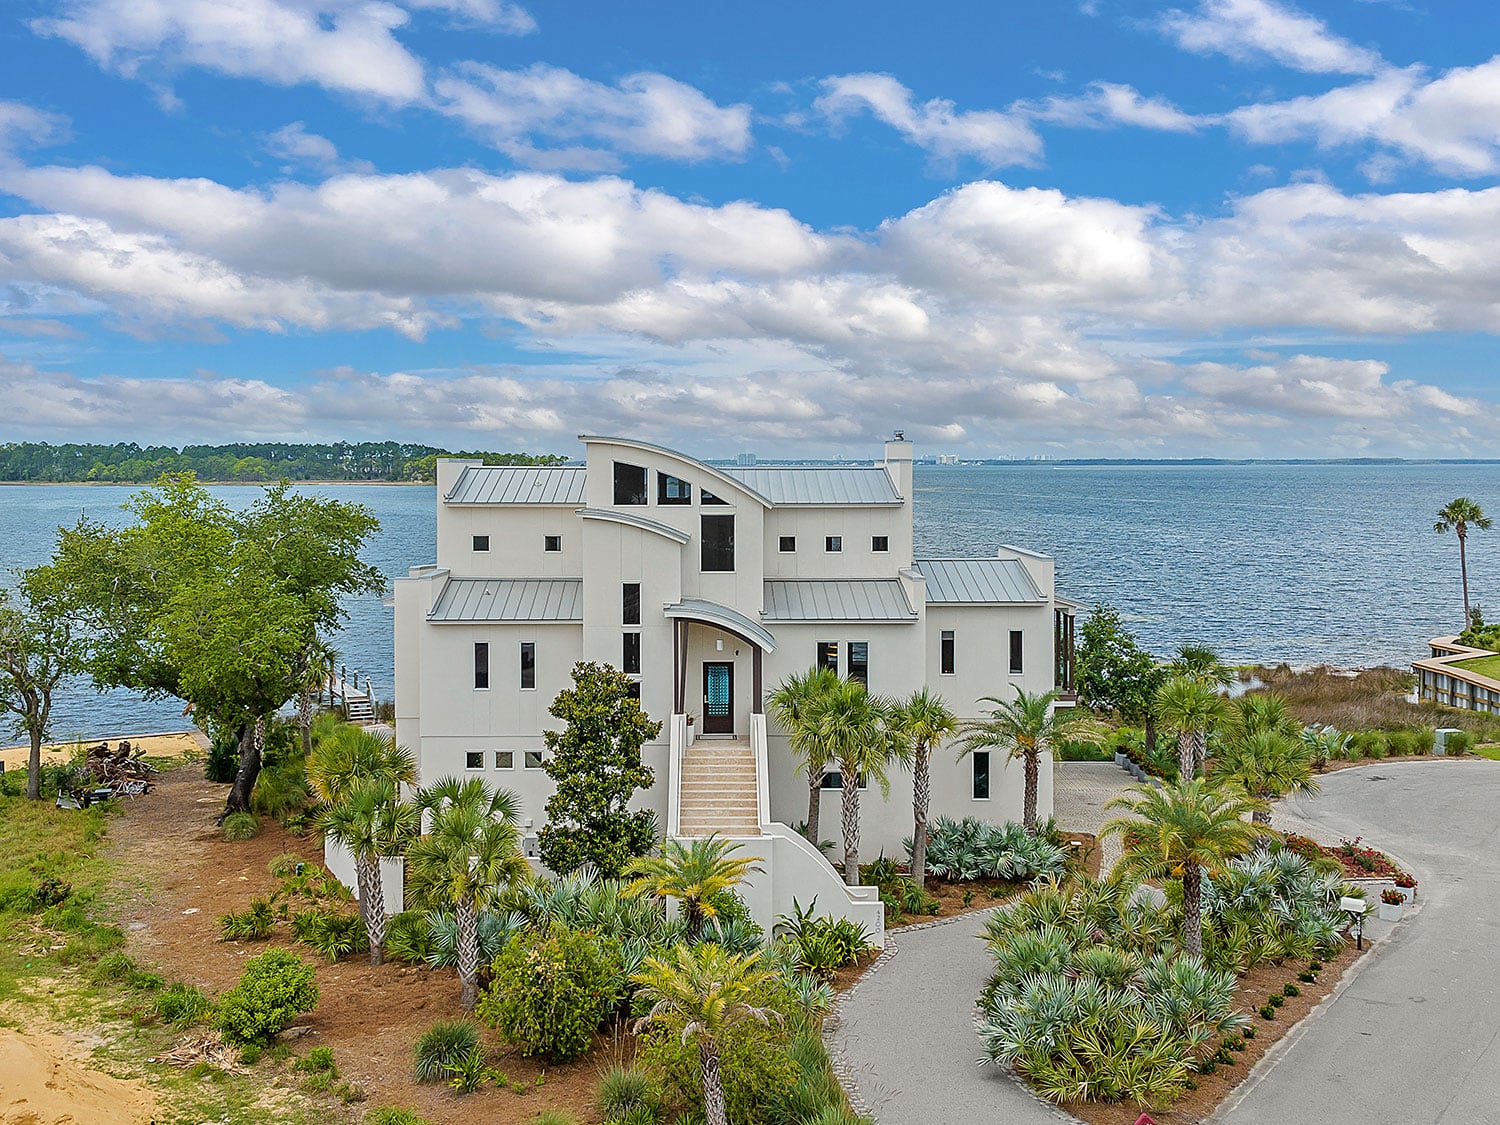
(206, 483)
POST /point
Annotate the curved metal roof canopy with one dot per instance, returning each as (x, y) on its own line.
(712, 613)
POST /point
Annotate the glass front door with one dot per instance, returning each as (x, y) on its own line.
(718, 698)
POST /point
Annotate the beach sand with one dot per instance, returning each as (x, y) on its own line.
(177, 745)
(43, 1081)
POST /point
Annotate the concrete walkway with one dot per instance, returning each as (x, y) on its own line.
(1080, 791)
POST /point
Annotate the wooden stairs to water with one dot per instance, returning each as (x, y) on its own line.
(718, 790)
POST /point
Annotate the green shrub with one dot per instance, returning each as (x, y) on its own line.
(182, 1005)
(319, 1060)
(241, 826)
(1276, 999)
(962, 850)
(622, 1090)
(391, 1115)
(836, 1115)
(554, 1117)
(333, 933)
(1306, 977)
(113, 968)
(551, 991)
(1249, 1032)
(1291, 990)
(469, 1072)
(275, 988)
(1267, 1012)
(281, 791)
(1314, 966)
(819, 944)
(441, 1048)
(223, 760)
(1459, 742)
(408, 938)
(252, 924)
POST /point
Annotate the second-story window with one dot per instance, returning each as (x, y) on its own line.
(481, 542)
(708, 497)
(552, 542)
(528, 664)
(630, 604)
(859, 661)
(630, 657)
(834, 543)
(788, 544)
(630, 483)
(1015, 652)
(948, 663)
(718, 543)
(672, 490)
(828, 655)
(481, 664)
(880, 543)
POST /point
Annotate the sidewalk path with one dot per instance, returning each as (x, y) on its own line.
(1080, 791)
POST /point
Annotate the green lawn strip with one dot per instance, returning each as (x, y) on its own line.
(1490, 752)
(1484, 665)
(51, 959)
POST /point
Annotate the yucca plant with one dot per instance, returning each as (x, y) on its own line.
(622, 1090)
(442, 1047)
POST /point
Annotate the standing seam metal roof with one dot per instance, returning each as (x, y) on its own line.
(837, 599)
(819, 485)
(508, 599)
(518, 484)
(979, 581)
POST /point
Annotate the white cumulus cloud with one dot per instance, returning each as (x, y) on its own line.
(1251, 30)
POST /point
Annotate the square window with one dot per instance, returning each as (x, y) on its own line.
(528, 664)
(833, 779)
(859, 661)
(948, 662)
(630, 484)
(833, 543)
(481, 542)
(505, 759)
(630, 604)
(828, 655)
(981, 760)
(630, 660)
(788, 544)
(1015, 652)
(481, 664)
(672, 490)
(474, 760)
(552, 542)
(717, 543)
(533, 759)
(634, 690)
(880, 543)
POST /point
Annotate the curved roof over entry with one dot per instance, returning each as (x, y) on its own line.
(712, 613)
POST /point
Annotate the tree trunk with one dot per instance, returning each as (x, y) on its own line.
(1463, 566)
(1200, 753)
(34, 768)
(304, 720)
(1261, 816)
(1184, 755)
(1150, 736)
(468, 952)
(244, 780)
(1029, 763)
(921, 788)
(714, 1111)
(814, 808)
(851, 823)
(1192, 910)
(372, 903)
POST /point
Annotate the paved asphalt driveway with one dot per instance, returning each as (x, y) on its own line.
(1413, 1036)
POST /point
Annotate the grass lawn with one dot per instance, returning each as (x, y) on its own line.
(1490, 752)
(1484, 665)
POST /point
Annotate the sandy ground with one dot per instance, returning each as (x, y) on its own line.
(43, 1082)
(157, 746)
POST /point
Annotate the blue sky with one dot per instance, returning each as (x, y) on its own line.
(1208, 227)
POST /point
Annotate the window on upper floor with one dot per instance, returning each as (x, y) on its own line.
(1015, 652)
(532, 759)
(859, 661)
(481, 664)
(672, 490)
(947, 662)
(980, 760)
(474, 759)
(630, 603)
(552, 542)
(528, 664)
(707, 497)
(717, 543)
(833, 543)
(630, 654)
(630, 483)
(481, 542)
(634, 690)
(880, 543)
(505, 759)
(828, 655)
(788, 544)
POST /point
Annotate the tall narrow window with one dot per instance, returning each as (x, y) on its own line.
(947, 656)
(481, 664)
(859, 661)
(552, 542)
(880, 543)
(833, 544)
(630, 484)
(981, 760)
(718, 543)
(672, 490)
(630, 604)
(481, 542)
(1015, 652)
(528, 664)
(828, 655)
(630, 657)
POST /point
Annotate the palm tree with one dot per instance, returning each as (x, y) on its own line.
(1266, 765)
(1201, 663)
(691, 873)
(469, 854)
(355, 754)
(709, 990)
(1261, 712)
(321, 658)
(1458, 516)
(1182, 830)
(793, 704)
(924, 722)
(1025, 727)
(1192, 707)
(854, 728)
(372, 822)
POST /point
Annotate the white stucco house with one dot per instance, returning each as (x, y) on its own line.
(708, 585)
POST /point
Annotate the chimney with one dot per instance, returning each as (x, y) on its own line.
(898, 464)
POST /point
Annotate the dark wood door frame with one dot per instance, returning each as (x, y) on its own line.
(718, 724)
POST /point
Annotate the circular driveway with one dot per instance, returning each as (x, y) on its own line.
(1414, 1035)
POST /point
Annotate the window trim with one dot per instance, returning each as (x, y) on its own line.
(551, 544)
(989, 776)
(541, 760)
(645, 491)
(849, 656)
(482, 666)
(469, 756)
(496, 759)
(672, 501)
(833, 544)
(880, 544)
(818, 653)
(782, 544)
(1017, 652)
(525, 645)
(626, 646)
(626, 617)
(703, 545)
(480, 543)
(827, 786)
(948, 652)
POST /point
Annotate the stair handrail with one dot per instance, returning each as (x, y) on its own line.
(762, 770)
(676, 741)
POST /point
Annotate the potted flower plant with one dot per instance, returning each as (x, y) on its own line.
(1391, 903)
(1407, 884)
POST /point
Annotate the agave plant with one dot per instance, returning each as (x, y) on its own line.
(963, 850)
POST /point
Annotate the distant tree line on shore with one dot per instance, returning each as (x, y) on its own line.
(129, 463)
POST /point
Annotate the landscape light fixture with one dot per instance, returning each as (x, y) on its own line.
(1356, 909)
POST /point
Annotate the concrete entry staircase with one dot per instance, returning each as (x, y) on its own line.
(719, 792)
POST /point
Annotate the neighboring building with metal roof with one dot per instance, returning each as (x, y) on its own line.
(708, 587)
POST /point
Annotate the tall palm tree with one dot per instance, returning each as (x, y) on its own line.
(1192, 707)
(924, 722)
(1182, 830)
(692, 873)
(1025, 727)
(1459, 515)
(709, 990)
(1202, 663)
(355, 754)
(1261, 712)
(1266, 765)
(372, 822)
(854, 727)
(793, 704)
(470, 853)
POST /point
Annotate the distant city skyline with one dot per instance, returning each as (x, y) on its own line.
(1096, 228)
